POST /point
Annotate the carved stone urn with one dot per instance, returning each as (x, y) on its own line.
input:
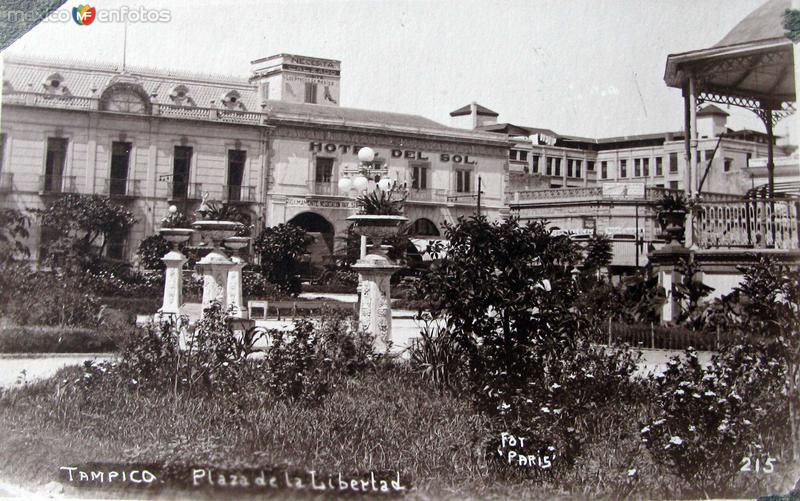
(374, 274)
(673, 225)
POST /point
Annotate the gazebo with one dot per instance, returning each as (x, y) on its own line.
(751, 67)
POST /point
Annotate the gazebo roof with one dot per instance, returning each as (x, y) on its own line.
(751, 66)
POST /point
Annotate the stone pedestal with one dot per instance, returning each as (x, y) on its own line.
(375, 312)
(173, 283)
(666, 263)
(215, 267)
(235, 298)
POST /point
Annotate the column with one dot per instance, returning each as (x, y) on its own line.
(234, 285)
(215, 267)
(173, 283)
(375, 313)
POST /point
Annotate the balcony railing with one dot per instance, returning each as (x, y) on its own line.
(749, 223)
(6, 182)
(122, 187)
(184, 191)
(238, 193)
(323, 188)
(426, 195)
(57, 184)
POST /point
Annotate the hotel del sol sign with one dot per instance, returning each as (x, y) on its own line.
(319, 147)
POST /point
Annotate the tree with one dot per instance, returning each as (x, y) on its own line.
(83, 223)
(14, 226)
(507, 295)
(280, 248)
(151, 250)
(598, 253)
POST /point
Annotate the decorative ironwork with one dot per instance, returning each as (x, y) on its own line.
(753, 223)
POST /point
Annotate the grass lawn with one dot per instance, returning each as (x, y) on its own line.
(383, 420)
(386, 419)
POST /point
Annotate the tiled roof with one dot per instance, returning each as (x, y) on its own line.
(88, 80)
(764, 23)
(712, 110)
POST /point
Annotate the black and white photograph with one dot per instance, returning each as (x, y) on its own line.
(399, 249)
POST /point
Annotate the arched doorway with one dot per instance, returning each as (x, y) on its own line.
(321, 230)
(420, 233)
(424, 227)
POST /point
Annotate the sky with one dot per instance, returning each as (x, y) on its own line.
(591, 68)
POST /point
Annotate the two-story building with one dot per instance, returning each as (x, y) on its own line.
(274, 142)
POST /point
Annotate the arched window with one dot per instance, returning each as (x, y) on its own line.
(125, 97)
(424, 227)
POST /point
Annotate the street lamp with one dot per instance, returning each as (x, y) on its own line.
(366, 176)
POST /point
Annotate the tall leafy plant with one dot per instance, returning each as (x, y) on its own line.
(84, 223)
(507, 294)
(281, 248)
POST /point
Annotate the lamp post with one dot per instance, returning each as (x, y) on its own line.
(366, 176)
(374, 267)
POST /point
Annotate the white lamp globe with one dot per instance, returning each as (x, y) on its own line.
(360, 183)
(172, 209)
(366, 154)
(345, 184)
(385, 184)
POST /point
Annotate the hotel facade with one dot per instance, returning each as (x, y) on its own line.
(274, 143)
(583, 186)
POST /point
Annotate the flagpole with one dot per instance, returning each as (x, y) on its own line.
(124, 44)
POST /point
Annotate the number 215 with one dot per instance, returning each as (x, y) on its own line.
(766, 467)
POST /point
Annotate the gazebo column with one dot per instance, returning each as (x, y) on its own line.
(691, 153)
(770, 152)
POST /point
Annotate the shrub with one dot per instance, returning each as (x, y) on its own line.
(81, 221)
(304, 363)
(280, 249)
(507, 293)
(214, 359)
(58, 340)
(437, 354)
(48, 298)
(255, 285)
(743, 406)
(708, 420)
(150, 252)
(14, 225)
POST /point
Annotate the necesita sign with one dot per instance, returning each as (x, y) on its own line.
(319, 147)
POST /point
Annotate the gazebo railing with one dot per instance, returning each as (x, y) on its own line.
(748, 223)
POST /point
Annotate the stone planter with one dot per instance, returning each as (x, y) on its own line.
(176, 235)
(376, 227)
(673, 225)
(236, 243)
(216, 231)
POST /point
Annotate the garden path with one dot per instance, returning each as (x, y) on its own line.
(40, 365)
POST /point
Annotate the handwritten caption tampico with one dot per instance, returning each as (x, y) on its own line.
(272, 478)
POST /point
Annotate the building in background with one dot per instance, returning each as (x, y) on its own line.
(274, 143)
(610, 185)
